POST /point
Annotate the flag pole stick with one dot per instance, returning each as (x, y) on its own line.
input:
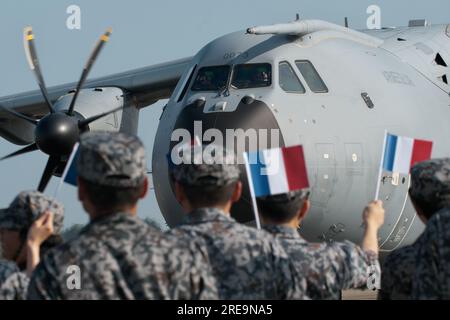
(252, 191)
(380, 172)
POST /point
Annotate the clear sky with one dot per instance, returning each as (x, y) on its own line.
(146, 32)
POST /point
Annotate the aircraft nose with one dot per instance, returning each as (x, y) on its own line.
(252, 125)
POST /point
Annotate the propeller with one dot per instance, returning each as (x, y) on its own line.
(33, 61)
(57, 132)
(19, 115)
(98, 47)
(27, 149)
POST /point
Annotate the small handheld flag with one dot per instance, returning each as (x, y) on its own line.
(70, 172)
(275, 171)
(400, 154)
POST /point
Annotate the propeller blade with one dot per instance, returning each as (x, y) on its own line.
(33, 61)
(50, 168)
(93, 57)
(83, 123)
(27, 149)
(19, 115)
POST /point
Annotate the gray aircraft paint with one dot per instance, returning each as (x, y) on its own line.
(342, 136)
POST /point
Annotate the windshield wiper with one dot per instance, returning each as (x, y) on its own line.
(225, 91)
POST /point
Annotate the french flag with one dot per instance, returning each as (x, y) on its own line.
(277, 171)
(70, 174)
(402, 153)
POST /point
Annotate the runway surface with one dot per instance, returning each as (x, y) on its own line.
(359, 295)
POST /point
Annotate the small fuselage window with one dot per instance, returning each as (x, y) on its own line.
(288, 80)
(211, 78)
(312, 77)
(257, 75)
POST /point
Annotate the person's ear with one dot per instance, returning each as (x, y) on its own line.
(144, 189)
(181, 197)
(237, 193)
(304, 210)
(419, 211)
(179, 193)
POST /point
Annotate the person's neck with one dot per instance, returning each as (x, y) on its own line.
(294, 224)
(225, 210)
(97, 213)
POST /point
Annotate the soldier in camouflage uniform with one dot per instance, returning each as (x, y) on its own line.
(248, 263)
(329, 267)
(118, 256)
(28, 230)
(431, 279)
(429, 192)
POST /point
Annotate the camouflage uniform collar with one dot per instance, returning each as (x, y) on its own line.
(283, 232)
(207, 215)
(110, 218)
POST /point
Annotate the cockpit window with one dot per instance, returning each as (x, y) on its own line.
(289, 82)
(311, 76)
(256, 75)
(211, 78)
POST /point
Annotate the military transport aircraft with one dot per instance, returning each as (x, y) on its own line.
(330, 88)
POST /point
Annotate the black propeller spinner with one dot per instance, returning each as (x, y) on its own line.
(57, 132)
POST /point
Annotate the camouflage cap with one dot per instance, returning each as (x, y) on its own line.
(29, 206)
(112, 159)
(431, 182)
(203, 166)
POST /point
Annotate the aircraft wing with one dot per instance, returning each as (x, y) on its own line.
(148, 85)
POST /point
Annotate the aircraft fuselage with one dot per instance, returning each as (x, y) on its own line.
(341, 120)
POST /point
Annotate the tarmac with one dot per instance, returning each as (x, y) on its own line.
(359, 295)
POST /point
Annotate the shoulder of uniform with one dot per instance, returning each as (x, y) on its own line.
(6, 269)
(399, 260)
(259, 237)
(71, 252)
(16, 279)
(7, 265)
(253, 232)
(342, 246)
(402, 254)
(439, 222)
